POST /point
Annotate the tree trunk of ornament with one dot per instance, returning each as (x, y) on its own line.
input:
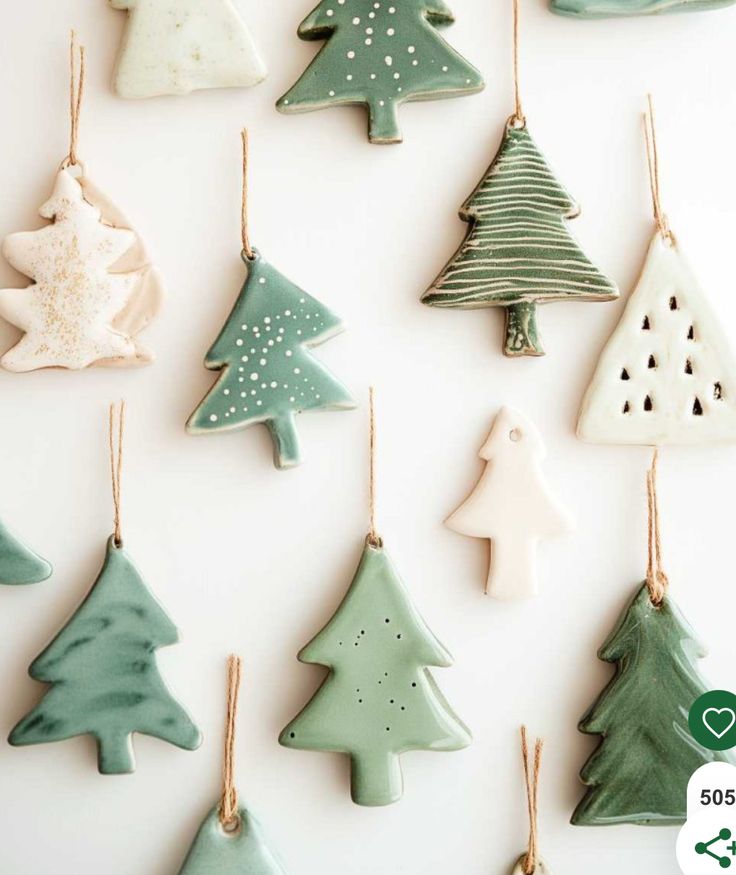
(285, 441)
(521, 330)
(115, 755)
(376, 778)
(512, 574)
(383, 124)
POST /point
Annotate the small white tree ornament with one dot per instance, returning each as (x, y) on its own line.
(666, 375)
(512, 506)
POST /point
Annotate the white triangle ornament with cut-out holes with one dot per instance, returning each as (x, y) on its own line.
(666, 375)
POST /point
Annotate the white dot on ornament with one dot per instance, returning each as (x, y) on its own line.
(232, 410)
(244, 327)
(262, 280)
(390, 31)
(274, 384)
(213, 417)
(254, 376)
(289, 353)
(356, 20)
(415, 63)
(389, 60)
(391, 10)
(373, 75)
(351, 55)
(292, 399)
(267, 320)
(382, 103)
(297, 371)
(239, 341)
(331, 93)
(243, 394)
(225, 391)
(330, 12)
(369, 41)
(262, 362)
(397, 75)
(259, 403)
(445, 69)
(369, 31)
(349, 77)
(411, 50)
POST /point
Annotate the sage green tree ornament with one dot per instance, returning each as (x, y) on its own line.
(618, 8)
(380, 55)
(19, 565)
(102, 668)
(646, 756)
(263, 355)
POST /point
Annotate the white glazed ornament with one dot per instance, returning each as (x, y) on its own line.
(94, 288)
(512, 506)
(179, 46)
(666, 375)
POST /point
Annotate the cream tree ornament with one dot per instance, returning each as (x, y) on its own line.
(512, 506)
(179, 46)
(94, 288)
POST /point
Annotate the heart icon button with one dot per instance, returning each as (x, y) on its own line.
(719, 721)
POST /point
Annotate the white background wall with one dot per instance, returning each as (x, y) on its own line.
(249, 559)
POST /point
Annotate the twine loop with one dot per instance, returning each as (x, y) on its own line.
(373, 538)
(650, 135)
(116, 464)
(657, 580)
(229, 817)
(76, 93)
(531, 779)
(518, 119)
(244, 233)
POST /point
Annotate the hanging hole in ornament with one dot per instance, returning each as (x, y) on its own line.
(231, 828)
(652, 363)
(517, 122)
(673, 303)
(627, 407)
(697, 408)
(717, 392)
(75, 169)
(625, 374)
(648, 406)
(645, 325)
(688, 366)
(691, 333)
(515, 435)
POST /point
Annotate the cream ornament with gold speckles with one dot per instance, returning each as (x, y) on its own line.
(179, 46)
(94, 288)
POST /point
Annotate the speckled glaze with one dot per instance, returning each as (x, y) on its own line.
(379, 699)
(267, 372)
(640, 771)
(18, 564)
(243, 852)
(617, 8)
(379, 55)
(103, 673)
(518, 252)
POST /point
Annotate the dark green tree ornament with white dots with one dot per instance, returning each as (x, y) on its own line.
(380, 54)
(379, 698)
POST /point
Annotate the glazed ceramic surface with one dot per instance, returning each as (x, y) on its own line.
(178, 46)
(103, 673)
(666, 375)
(379, 699)
(512, 505)
(518, 252)
(640, 771)
(18, 564)
(94, 289)
(541, 869)
(616, 8)
(242, 852)
(379, 55)
(267, 372)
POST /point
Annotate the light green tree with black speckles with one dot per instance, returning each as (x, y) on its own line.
(379, 699)
(380, 53)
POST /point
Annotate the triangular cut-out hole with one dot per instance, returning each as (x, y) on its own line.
(691, 333)
(625, 374)
(648, 404)
(673, 303)
(645, 326)
(688, 366)
(627, 407)
(652, 363)
(718, 392)
(697, 408)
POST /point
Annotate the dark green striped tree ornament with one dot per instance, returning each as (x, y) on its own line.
(646, 753)
(101, 667)
(230, 841)
(19, 565)
(518, 252)
(267, 372)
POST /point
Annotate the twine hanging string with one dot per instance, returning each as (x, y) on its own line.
(657, 580)
(650, 135)
(244, 203)
(518, 119)
(76, 93)
(374, 539)
(531, 778)
(229, 803)
(116, 464)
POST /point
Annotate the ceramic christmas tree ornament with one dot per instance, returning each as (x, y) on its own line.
(179, 46)
(378, 699)
(268, 373)
(94, 288)
(230, 841)
(617, 8)
(666, 374)
(102, 671)
(19, 565)
(380, 55)
(518, 252)
(512, 505)
(646, 755)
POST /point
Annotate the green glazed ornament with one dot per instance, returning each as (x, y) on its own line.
(19, 565)
(379, 699)
(103, 673)
(617, 8)
(518, 252)
(267, 371)
(380, 55)
(240, 852)
(646, 756)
